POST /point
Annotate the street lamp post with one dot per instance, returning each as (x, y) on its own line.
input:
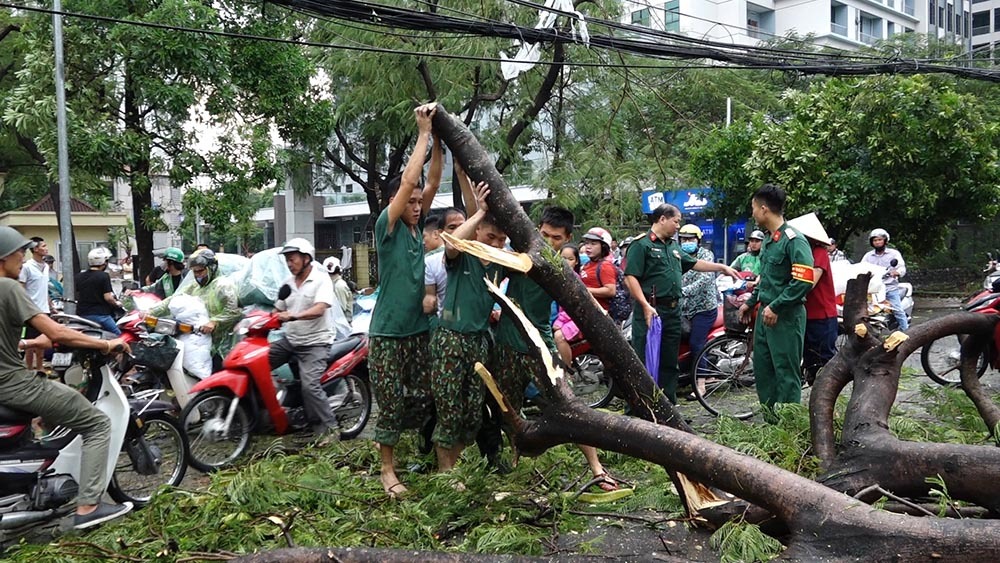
(65, 210)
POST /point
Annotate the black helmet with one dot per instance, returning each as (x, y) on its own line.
(204, 258)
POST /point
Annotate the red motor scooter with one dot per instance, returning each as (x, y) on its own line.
(245, 397)
(941, 359)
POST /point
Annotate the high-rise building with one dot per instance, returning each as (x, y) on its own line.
(844, 24)
(986, 30)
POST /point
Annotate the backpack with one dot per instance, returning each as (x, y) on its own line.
(620, 306)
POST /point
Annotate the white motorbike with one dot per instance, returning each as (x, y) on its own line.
(39, 477)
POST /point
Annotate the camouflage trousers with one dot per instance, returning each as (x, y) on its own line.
(399, 372)
(455, 385)
(512, 371)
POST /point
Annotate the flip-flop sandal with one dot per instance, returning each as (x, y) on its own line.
(606, 483)
(393, 494)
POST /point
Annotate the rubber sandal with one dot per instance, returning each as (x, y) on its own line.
(606, 482)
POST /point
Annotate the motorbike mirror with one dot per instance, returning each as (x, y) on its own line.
(284, 292)
(894, 263)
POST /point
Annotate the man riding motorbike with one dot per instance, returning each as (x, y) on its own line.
(167, 284)
(882, 255)
(220, 299)
(56, 403)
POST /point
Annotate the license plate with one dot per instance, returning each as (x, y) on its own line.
(62, 359)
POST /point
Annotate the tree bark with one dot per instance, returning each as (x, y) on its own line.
(139, 182)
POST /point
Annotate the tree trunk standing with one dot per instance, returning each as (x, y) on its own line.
(139, 182)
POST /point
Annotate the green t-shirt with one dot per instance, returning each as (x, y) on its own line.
(16, 309)
(658, 265)
(467, 302)
(399, 311)
(537, 306)
(786, 271)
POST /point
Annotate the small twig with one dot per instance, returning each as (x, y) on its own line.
(105, 552)
(208, 556)
(901, 500)
(325, 491)
(616, 515)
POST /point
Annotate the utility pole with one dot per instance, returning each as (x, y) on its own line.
(65, 210)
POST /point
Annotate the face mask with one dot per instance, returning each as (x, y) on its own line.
(202, 280)
(689, 247)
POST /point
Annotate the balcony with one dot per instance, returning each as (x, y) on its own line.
(869, 39)
(838, 29)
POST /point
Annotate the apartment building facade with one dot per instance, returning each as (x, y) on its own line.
(986, 30)
(843, 24)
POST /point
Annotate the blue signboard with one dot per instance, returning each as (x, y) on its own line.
(691, 201)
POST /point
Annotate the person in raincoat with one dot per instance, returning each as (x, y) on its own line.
(167, 284)
(219, 296)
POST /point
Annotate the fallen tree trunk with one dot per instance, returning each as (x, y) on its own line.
(822, 523)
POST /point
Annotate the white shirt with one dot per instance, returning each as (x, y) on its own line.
(35, 277)
(435, 274)
(317, 288)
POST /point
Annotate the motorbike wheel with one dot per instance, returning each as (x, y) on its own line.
(941, 357)
(157, 456)
(728, 370)
(350, 399)
(589, 382)
(213, 445)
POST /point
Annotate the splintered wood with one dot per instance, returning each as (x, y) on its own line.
(513, 260)
(554, 372)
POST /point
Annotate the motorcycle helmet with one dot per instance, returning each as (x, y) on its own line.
(11, 241)
(332, 265)
(690, 230)
(756, 235)
(878, 233)
(602, 236)
(98, 256)
(204, 258)
(174, 255)
(300, 245)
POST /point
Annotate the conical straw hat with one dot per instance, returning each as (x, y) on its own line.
(810, 226)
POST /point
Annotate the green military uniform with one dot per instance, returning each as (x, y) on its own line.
(658, 265)
(461, 340)
(786, 277)
(399, 340)
(747, 262)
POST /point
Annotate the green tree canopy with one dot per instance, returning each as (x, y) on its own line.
(906, 154)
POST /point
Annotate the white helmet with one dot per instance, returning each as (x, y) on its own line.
(878, 233)
(98, 256)
(332, 264)
(300, 245)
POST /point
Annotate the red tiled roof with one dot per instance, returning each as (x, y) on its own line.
(46, 204)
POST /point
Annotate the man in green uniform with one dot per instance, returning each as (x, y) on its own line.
(462, 337)
(786, 277)
(398, 333)
(513, 361)
(653, 269)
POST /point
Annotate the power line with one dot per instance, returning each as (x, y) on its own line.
(743, 56)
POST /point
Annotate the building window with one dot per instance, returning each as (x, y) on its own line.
(640, 17)
(349, 188)
(931, 10)
(672, 16)
(357, 235)
(838, 19)
(890, 29)
(951, 17)
(908, 7)
(871, 29)
(981, 23)
(941, 15)
(996, 19)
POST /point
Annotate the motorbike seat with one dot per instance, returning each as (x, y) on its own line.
(14, 416)
(64, 318)
(341, 348)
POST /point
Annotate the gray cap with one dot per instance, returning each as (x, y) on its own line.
(11, 241)
(756, 235)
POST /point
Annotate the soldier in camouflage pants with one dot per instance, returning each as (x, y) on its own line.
(457, 388)
(399, 371)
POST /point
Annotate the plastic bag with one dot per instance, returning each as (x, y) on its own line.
(258, 284)
(197, 346)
